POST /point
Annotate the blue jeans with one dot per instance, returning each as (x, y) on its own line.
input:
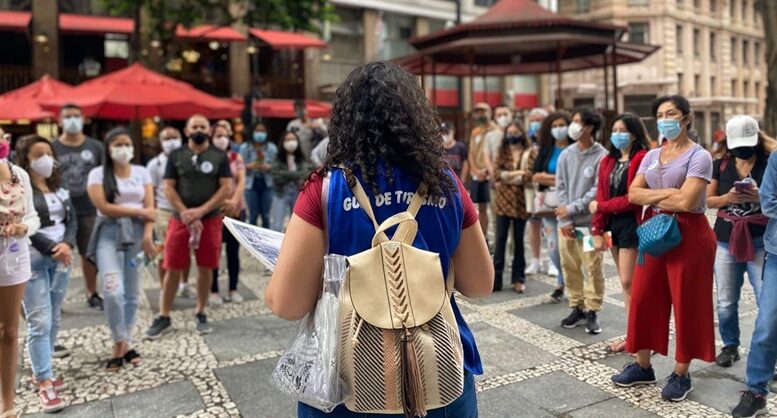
(729, 279)
(550, 230)
(763, 349)
(42, 303)
(259, 200)
(120, 281)
(464, 407)
(282, 205)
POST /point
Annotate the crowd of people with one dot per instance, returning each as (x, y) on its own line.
(551, 179)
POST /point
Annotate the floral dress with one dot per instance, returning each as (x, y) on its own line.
(14, 252)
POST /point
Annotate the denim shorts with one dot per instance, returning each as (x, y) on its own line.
(466, 406)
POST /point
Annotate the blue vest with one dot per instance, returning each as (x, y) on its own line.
(439, 229)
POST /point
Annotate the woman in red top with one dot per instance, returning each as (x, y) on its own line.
(611, 209)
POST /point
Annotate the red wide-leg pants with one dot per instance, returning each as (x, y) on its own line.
(680, 279)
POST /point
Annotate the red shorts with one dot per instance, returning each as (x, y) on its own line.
(178, 253)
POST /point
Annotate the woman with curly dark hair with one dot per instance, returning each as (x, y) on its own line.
(383, 134)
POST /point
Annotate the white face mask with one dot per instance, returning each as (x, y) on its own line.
(73, 124)
(43, 166)
(290, 146)
(503, 121)
(575, 130)
(221, 142)
(559, 133)
(447, 139)
(122, 155)
(170, 145)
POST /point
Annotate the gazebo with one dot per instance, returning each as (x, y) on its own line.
(521, 37)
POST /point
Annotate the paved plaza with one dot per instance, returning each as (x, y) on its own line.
(533, 367)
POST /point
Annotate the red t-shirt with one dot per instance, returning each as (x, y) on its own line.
(308, 206)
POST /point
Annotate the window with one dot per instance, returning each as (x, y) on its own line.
(697, 85)
(713, 47)
(733, 88)
(696, 42)
(746, 93)
(744, 11)
(680, 81)
(679, 38)
(758, 90)
(484, 3)
(732, 8)
(715, 121)
(638, 32)
(713, 86)
(733, 50)
(633, 3)
(713, 6)
(757, 53)
(583, 6)
(697, 4)
(745, 52)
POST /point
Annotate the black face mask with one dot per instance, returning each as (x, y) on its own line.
(743, 153)
(514, 139)
(481, 120)
(199, 138)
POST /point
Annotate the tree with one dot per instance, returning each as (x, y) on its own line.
(163, 16)
(768, 11)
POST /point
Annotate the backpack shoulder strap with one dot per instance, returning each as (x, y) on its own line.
(325, 207)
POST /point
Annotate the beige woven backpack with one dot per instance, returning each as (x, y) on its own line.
(400, 349)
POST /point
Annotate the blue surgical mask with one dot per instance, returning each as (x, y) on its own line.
(670, 128)
(260, 136)
(620, 140)
(534, 127)
(559, 133)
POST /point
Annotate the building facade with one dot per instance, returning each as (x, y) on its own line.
(712, 51)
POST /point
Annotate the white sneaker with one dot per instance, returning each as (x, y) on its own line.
(235, 297)
(534, 267)
(552, 270)
(184, 291)
(215, 299)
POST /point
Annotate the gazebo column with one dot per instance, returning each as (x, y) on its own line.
(559, 57)
(606, 82)
(615, 77)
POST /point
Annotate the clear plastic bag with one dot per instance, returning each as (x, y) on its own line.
(309, 370)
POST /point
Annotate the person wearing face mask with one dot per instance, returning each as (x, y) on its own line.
(553, 139)
(51, 258)
(536, 116)
(512, 170)
(740, 224)
(235, 209)
(123, 194)
(583, 271)
(197, 182)
(288, 172)
(503, 116)
(18, 221)
(78, 155)
(455, 151)
(673, 180)
(307, 129)
(169, 141)
(318, 155)
(480, 161)
(611, 209)
(259, 156)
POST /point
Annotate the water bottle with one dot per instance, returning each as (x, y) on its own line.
(61, 268)
(194, 238)
(137, 260)
(13, 254)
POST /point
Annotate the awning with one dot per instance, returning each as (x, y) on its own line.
(209, 33)
(14, 21)
(286, 40)
(84, 24)
(284, 108)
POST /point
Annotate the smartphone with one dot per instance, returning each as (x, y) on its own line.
(743, 186)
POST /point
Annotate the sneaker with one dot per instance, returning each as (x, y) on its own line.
(677, 387)
(185, 291)
(577, 317)
(592, 323)
(215, 299)
(557, 296)
(728, 355)
(750, 404)
(60, 351)
(235, 297)
(632, 375)
(158, 328)
(95, 302)
(57, 383)
(201, 323)
(533, 268)
(552, 270)
(49, 400)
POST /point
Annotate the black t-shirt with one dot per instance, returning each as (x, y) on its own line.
(197, 175)
(726, 179)
(75, 163)
(456, 156)
(619, 179)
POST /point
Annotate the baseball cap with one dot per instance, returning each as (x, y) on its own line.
(741, 131)
(483, 106)
(445, 127)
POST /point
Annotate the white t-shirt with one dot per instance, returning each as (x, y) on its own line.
(156, 167)
(56, 209)
(131, 189)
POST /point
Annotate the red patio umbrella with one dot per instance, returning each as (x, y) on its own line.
(284, 108)
(23, 104)
(21, 110)
(136, 92)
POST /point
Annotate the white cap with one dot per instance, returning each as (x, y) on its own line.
(741, 131)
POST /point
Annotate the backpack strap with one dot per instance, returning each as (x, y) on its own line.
(325, 207)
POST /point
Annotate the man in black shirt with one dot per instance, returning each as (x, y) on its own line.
(197, 181)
